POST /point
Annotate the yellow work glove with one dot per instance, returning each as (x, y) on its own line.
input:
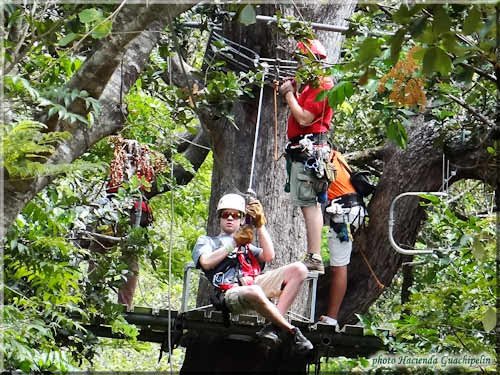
(256, 211)
(243, 236)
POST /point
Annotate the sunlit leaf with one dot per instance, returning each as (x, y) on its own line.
(489, 319)
(90, 15)
(247, 15)
(102, 30)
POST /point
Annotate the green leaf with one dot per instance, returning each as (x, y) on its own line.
(449, 41)
(368, 50)
(396, 132)
(247, 15)
(436, 60)
(90, 15)
(339, 93)
(478, 250)
(417, 26)
(396, 43)
(402, 15)
(67, 39)
(322, 95)
(102, 30)
(442, 22)
(472, 22)
(489, 319)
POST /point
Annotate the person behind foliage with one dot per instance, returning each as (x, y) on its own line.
(344, 214)
(307, 149)
(233, 265)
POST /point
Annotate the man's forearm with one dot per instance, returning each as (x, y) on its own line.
(266, 243)
(209, 261)
(303, 116)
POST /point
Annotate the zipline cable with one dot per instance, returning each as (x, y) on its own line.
(257, 126)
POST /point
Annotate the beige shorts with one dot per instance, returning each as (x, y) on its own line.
(340, 251)
(270, 282)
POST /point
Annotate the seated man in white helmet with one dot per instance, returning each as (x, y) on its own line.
(232, 264)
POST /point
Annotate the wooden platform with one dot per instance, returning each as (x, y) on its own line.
(350, 341)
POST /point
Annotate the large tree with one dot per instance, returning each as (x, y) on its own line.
(117, 61)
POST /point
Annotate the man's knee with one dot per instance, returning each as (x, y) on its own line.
(296, 271)
(253, 293)
(299, 270)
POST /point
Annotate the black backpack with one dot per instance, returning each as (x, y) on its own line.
(360, 180)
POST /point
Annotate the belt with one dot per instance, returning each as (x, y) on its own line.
(314, 137)
(349, 200)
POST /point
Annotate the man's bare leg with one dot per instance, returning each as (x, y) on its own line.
(338, 287)
(294, 276)
(314, 224)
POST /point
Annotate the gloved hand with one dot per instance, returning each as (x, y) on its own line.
(244, 235)
(334, 209)
(228, 243)
(286, 87)
(256, 211)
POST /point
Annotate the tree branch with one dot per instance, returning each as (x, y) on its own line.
(368, 156)
(102, 77)
(472, 110)
(482, 73)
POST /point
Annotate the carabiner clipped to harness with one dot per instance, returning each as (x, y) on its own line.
(315, 166)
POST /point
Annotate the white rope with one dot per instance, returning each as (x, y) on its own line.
(257, 126)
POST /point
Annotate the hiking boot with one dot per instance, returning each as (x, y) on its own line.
(301, 345)
(269, 333)
(314, 264)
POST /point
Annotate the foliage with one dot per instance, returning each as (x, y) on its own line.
(412, 54)
(453, 292)
(51, 287)
(23, 144)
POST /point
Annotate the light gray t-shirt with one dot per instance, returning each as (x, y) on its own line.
(227, 271)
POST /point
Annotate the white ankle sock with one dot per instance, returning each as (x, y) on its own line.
(325, 319)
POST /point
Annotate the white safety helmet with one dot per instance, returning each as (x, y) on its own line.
(232, 202)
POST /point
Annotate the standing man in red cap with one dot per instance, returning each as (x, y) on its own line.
(307, 147)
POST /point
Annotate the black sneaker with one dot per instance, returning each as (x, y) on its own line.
(269, 333)
(314, 264)
(301, 345)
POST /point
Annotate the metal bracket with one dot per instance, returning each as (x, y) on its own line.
(393, 243)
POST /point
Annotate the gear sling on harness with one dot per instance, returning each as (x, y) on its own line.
(247, 268)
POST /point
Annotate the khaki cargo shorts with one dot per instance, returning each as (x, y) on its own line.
(270, 282)
(304, 186)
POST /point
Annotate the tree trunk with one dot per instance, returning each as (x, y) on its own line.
(232, 150)
(417, 168)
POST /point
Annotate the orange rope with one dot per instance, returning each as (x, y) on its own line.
(379, 284)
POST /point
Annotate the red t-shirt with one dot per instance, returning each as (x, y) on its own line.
(321, 110)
